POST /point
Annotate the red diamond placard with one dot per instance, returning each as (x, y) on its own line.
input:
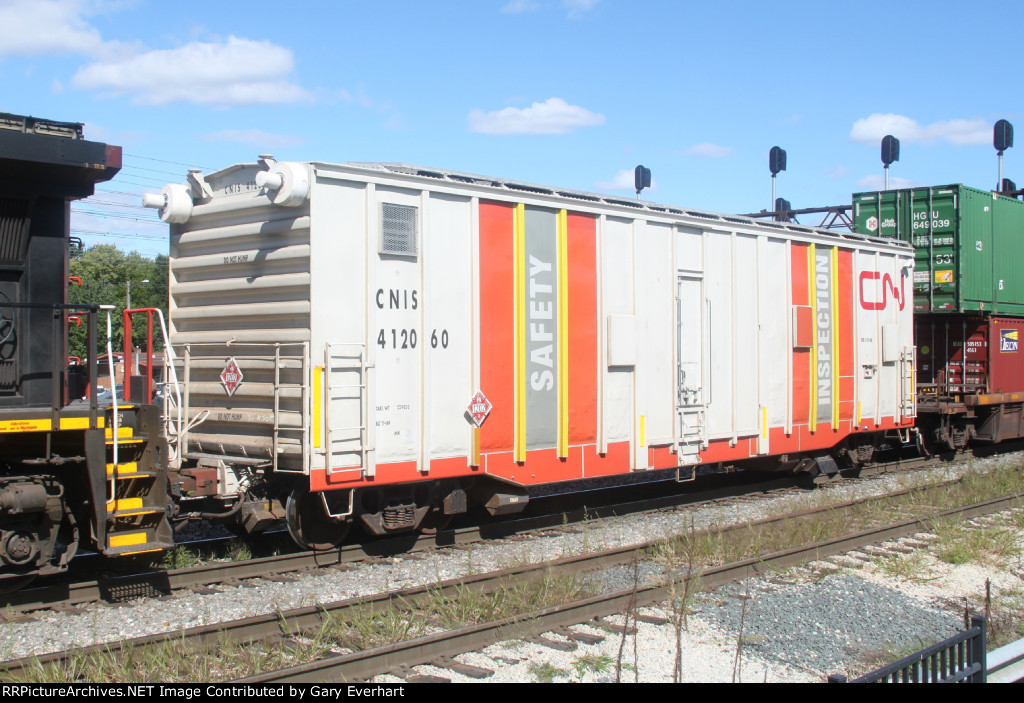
(231, 376)
(479, 407)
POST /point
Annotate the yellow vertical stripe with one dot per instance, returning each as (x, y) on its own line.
(519, 292)
(643, 431)
(563, 333)
(764, 422)
(812, 419)
(835, 338)
(318, 393)
(476, 446)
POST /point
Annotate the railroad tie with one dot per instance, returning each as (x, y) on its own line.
(652, 619)
(473, 672)
(613, 627)
(427, 678)
(581, 637)
(554, 644)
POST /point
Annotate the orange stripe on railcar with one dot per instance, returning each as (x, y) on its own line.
(497, 326)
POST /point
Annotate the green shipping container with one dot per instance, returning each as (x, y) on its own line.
(969, 245)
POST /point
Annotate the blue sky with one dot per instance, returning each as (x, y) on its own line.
(569, 93)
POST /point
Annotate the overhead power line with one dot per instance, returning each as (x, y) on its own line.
(165, 161)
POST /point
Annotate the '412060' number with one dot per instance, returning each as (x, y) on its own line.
(407, 339)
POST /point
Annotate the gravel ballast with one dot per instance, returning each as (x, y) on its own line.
(798, 631)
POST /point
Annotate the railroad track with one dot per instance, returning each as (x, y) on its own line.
(161, 582)
(559, 516)
(438, 646)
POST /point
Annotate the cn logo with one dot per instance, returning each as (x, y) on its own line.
(875, 296)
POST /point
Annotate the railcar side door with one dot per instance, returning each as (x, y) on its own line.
(692, 321)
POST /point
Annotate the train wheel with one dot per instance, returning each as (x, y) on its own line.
(308, 524)
(436, 522)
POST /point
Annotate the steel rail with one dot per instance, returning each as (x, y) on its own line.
(65, 593)
(276, 625)
(156, 583)
(424, 650)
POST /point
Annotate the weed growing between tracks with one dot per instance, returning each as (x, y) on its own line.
(631, 613)
(905, 567)
(184, 557)
(354, 629)
(1004, 612)
(170, 662)
(681, 560)
(714, 547)
(963, 544)
(468, 607)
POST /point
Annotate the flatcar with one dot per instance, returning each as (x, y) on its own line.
(389, 345)
(71, 475)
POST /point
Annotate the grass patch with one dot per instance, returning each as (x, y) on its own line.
(185, 557)
(592, 664)
(959, 543)
(237, 550)
(904, 567)
(546, 672)
(468, 607)
(1005, 614)
(181, 558)
(713, 548)
(353, 629)
(173, 661)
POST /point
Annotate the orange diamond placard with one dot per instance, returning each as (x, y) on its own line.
(231, 376)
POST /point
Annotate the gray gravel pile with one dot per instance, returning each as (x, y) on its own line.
(826, 624)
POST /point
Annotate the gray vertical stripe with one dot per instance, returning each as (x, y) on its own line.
(541, 292)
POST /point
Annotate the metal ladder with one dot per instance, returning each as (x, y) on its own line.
(351, 397)
(135, 519)
(691, 435)
(908, 382)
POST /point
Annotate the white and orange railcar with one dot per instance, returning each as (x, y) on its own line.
(388, 343)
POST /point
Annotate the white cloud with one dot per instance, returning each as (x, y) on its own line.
(876, 182)
(623, 180)
(708, 150)
(255, 137)
(577, 8)
(515, 7)
(38, 27)
(553, 116)
(837, 172)
(959, 132)
(233, 72)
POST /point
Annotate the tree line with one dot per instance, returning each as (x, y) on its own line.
(105, 272)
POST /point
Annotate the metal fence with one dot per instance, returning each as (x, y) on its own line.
(960, 659)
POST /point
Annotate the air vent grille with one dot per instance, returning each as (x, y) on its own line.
(398, 229)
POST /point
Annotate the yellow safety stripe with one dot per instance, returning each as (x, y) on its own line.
(563, 333)
(519, 293)
(318, 384)
(128, 539)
